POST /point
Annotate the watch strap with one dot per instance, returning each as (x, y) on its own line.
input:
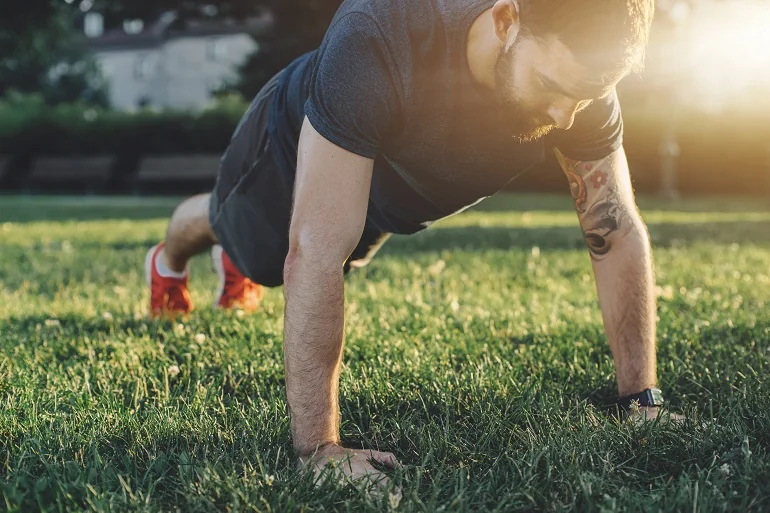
(648, 397)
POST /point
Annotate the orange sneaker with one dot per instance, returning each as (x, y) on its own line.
(168, 295)
(235, 290)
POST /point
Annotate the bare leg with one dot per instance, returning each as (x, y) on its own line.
(189, 233)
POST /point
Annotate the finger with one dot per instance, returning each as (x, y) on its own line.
(369, 478)
(386, 458)
(331, 471)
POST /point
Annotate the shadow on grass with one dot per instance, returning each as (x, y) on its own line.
(538, 202)
(412, 394)
(468, 239)
(20, 209)
(130, 245)
(571, 373)
(28, 209)
(73, 339)
(478, 238)
(664, 235)
(109, 464)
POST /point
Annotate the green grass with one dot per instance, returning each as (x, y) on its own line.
(488, 375)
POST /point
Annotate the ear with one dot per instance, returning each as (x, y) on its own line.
(507, 21)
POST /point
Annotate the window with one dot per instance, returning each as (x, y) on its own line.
(132, 27)
(142, 66)
(93, 25)
(216, 49)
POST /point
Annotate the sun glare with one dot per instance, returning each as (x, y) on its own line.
(729, 47)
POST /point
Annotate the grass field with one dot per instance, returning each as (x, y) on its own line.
(475, 352)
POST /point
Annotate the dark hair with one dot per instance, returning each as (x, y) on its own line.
(602, 33)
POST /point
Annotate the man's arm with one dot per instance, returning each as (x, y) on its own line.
(621, 256)
(330, 203)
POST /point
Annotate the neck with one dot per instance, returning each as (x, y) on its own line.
(482, 50)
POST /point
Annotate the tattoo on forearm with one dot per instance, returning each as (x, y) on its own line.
(599, 178)
(605, 217)
(604, 213)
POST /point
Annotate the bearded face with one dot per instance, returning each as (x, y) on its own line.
(540, 85)
(523, 122)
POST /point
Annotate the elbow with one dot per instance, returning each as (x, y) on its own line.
(636, 233)
(290, 266)
(319, 249)
(308, 259)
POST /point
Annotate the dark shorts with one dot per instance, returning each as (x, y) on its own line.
(251, 202)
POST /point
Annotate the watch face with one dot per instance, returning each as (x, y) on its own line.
(657, 396)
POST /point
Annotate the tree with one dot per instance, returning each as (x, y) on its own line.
(116, 11)
(299, 28)
(44, 53)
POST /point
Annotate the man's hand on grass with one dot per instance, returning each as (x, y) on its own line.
(349, 465)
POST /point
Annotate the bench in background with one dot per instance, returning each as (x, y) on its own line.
(177, 170)
(66, 173)
(5, 162)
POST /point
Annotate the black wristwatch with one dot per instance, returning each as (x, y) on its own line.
(650, 397)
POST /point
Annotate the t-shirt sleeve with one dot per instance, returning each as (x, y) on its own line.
(596, 132)
(353, 100)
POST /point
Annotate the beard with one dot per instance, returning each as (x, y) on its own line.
(522, 123)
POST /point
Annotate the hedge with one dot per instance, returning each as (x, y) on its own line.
(29, 127)
(720, 154)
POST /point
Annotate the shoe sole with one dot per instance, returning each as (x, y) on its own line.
(219, 267)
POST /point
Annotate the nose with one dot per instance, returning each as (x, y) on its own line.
(563, 114)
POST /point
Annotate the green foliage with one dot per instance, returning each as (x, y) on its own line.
(480, 362)
(299, 28)
(44, 53)
(29, 127)
(115, 11)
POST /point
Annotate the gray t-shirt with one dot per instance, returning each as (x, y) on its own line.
(391, 81)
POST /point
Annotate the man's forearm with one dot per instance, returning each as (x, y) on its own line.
(622, 260)
(313, 340)
(624, 279)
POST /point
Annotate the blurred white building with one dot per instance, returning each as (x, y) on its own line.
(170, 65)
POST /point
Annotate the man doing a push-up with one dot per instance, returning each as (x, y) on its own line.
(408, 112)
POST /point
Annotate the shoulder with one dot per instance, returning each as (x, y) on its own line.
(400, 23)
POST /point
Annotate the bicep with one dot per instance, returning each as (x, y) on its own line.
(604, 199)
(331, 196)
